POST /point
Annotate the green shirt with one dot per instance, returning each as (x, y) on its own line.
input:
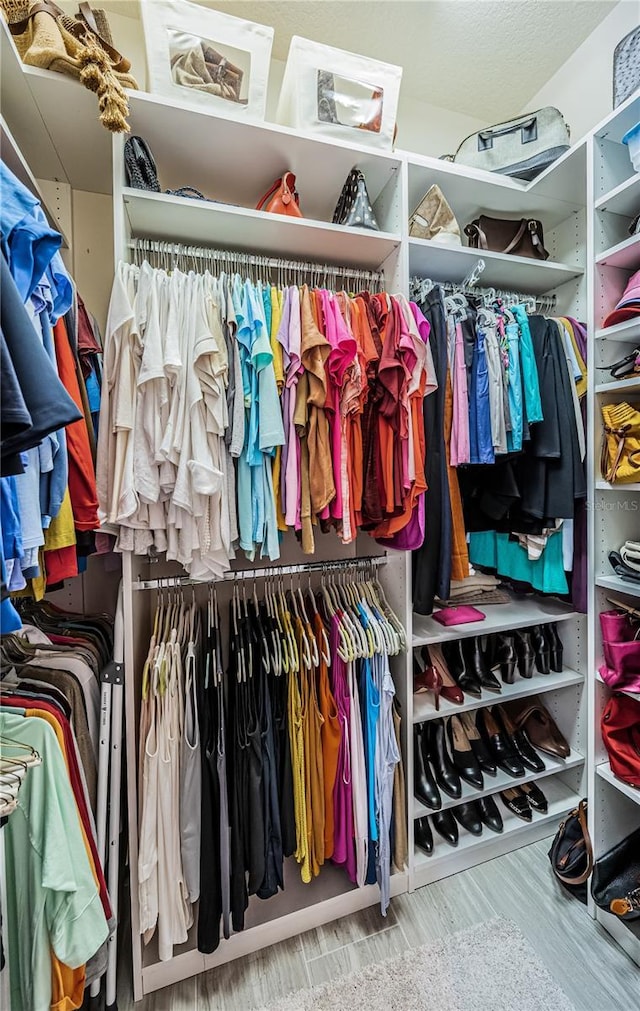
(52, 898)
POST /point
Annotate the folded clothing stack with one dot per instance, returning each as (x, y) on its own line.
(479, 588)
(626, 562)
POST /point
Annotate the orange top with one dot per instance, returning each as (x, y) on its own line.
(331, 735)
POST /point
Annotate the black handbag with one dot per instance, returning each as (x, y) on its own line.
(571, 853)
(504, 235)
(354, 206)
(140, 166)
(616, 879)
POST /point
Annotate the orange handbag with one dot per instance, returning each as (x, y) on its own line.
(282, 197)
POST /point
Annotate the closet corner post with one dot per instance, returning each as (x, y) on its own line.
(120, 223)
(130, 725)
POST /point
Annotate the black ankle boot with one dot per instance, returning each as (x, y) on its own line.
(422, 835)
(476, 662)
(460, 672)
(445, 772)
(445, 825)
(505, 656)
(424, 786)
(554, 643)
(524, 652)
(541, 649)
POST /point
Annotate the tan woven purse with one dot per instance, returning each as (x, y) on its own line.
(79, 46)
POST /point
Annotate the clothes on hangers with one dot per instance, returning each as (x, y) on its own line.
(297, 745)
(235, 410)
(515, 434)
(59, 912)
(48, 443)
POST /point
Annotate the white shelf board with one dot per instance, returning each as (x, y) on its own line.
(625, 254)
(623, 199)
(423, 708)
(605, 486)
(236, 161)
(502, 781)
(629, 330)
(14, 159)
(556, 194)
(631, 385)
(520, 612)
(604, 771)
(619, 585)
(179, 219)
(625, 932)
(472, 850)
(518, 273)
(617, 123)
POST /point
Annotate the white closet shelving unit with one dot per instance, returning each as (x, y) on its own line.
(614, 199)
(55, 123)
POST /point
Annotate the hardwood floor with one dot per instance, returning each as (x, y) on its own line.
(595, 974)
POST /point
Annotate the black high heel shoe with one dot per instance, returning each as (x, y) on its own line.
(505, 656)
(476, 662)
(554, 642)
(445, 825)
(424, 785)
(524, 652)
(518, 738)
(423, 836)
(541, 649)
(500, 745)
(444, 770)
(456, 662)
(465, 761)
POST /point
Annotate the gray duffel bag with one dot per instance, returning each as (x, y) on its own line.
(521, 147)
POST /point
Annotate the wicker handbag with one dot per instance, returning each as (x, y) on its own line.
(620, 459)
(79, 46)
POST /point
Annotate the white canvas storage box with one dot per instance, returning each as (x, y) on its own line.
(339, 94)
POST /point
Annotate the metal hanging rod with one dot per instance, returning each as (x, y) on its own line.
(170, 254)
(370, 561)
(540, 303)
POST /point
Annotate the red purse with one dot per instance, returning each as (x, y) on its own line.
(620, 727)
(284, 197)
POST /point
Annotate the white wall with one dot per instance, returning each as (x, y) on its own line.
(582, 89)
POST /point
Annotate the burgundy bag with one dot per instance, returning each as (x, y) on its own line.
(621, 650)
(620, 727)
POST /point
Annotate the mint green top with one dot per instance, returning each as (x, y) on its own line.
(52, 898)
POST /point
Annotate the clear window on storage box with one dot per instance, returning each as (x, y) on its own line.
(349, 103)
(209, 66)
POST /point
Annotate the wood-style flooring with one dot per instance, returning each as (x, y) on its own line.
(593, 971)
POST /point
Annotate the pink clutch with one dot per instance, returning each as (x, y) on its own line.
(458, 615)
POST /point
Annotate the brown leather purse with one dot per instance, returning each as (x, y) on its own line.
(503, 235)
(283, 198)
(543, 732)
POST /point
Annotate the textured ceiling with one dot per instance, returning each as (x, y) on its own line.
(486, 58)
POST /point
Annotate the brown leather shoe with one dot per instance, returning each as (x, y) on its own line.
(529, 714)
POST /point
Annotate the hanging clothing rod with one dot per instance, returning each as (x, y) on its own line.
(542, 303)
(370, 561)
(169, 253)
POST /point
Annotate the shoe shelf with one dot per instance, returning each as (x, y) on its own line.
(618, 584)
(519, 273)
(631, 385)
(604, 771)
(624, 254)
(472, 850)
(520, 612)
(180, 219)
(623, 199)
(423, 708)
(503, 781)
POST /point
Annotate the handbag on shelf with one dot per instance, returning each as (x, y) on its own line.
(620, 457)
(80, 46)
(458, 615)
(522, 147)
(504, 235)
(571, 853)
(626, 367)
(281, 198)
(620, 726)
(615, 885)
(433, 219)
(620, 649)
(140, 166)
(626, 67)
(354, 206)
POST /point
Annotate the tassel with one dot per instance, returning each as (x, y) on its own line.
(97, 75)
